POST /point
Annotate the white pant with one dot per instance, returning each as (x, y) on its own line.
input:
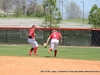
(33, 43)
(54, 44)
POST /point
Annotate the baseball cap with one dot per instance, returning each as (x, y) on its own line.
(34, 26)
(53, 30)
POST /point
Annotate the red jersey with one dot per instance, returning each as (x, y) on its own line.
(31, 33)
(55, 35)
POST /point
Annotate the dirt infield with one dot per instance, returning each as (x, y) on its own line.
(47, 66)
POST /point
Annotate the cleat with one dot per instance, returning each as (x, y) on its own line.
(30, 53)
(54, 56)
(48, 51)
(35, 54)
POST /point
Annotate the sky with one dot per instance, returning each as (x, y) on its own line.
(87, 5)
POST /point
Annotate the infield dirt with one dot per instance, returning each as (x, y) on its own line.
(47, 66)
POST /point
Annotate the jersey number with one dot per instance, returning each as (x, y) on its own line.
(54, 35)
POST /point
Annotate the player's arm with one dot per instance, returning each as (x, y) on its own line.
(48, 40)
(60, 38)
(34, 36)
(30, 34)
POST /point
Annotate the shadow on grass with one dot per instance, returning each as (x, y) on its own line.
(48, 56)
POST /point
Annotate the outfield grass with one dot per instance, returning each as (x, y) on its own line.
(81, 53)
(77, 20)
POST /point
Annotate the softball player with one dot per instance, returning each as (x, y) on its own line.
(32, 41)
(55, 37)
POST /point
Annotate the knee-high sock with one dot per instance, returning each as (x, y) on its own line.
(50, 49)
(35, 49)
(55, 52)
(31, 49)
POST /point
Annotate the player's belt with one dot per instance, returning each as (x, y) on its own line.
(30, 38)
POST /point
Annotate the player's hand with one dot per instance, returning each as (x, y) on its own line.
(34, 34)
(45, 45)
(33, 39)
(61, 41)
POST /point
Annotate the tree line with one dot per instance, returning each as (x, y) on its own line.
(35, 8)
(49, 9)
(22, 7)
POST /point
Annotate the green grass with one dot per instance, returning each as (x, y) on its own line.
(77, 20)
(80, 53)
(40, 18)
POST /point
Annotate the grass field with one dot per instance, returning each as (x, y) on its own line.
(80, 53)
(77, 20)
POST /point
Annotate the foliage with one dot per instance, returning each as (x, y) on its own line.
(20, 8)
(73, 11)
(18, 13)
(94, 16)
(52, 14)
(37, 12)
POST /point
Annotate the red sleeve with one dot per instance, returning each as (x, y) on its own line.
(51, 36)
(30, 33)
(59, 33)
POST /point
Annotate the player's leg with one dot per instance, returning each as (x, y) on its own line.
(55, 53)
(32, 48)
(35, 48)
(51, 47)
(55, 47)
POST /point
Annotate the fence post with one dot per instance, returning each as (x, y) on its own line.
(6, 36)
(63, 37)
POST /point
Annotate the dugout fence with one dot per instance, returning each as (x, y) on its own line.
(71, 36)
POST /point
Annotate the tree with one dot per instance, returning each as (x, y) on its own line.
(73, 10)
(28, 6)
(31, 7)
(52, 14)
(94, 16)
(22, 7)
(18, 9)
(35, 9)
(6, 6)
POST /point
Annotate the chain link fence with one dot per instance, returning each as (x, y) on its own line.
(69, 37)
